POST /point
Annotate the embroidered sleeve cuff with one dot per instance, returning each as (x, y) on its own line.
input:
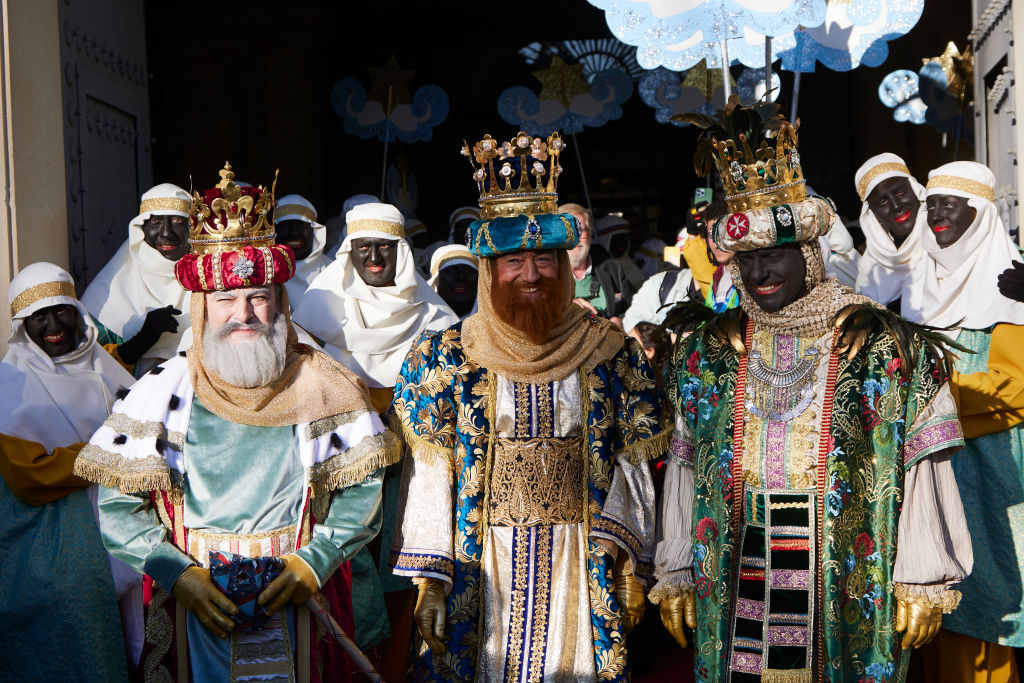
(422, 564)
(612, 530)
(934, 436)
(932, 595)
(422, 447)
(673, 585)
(165, 564)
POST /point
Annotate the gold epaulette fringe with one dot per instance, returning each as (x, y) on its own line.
(648, 449)
(136, 475)
(420, 448)
(355, 464)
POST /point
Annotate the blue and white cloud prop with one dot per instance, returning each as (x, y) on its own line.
(663, 91)
(853, 33)
(750, 86)
(414, 122)
(522, 107)
(677, 35)
(899, 91)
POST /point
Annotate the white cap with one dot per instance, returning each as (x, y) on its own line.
(963, 179)
(294, 207)
(165, 199)
(357, 199)
(40, 285)
(876, 169)
(451, 255)
(375, 220)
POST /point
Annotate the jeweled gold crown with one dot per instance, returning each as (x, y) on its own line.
(516, 177)
(230, 217)
(761, 178)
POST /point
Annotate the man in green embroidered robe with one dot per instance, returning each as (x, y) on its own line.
(250, 449)
(810, 513)
(527, 503)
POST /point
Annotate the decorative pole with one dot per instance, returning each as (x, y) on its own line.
(583, 176)
(387, 137)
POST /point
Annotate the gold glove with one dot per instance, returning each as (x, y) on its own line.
(920, 621)
(195, 591)
(297, 582)
(431, 608)
(630, 594)
(674, 610)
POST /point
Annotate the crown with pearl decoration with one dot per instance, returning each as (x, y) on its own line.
(767, 176)
(516, 177)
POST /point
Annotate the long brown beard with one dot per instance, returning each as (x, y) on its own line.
(535, 319)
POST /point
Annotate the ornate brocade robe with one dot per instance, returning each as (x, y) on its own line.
(797, 494)
(509, 487)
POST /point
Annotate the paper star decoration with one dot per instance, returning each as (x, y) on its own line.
(562, 82)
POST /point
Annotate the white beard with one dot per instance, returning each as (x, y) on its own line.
(247, 363)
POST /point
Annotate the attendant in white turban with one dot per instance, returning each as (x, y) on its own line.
(893, 220)
(135, 296)
(60, 589)
(454, 276)
(459, 222)
(955, 285)
(295, 222)
(368, 307)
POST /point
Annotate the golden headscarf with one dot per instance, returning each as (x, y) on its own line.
(312, 385)
(577, 340)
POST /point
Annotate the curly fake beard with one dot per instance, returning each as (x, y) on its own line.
(534, 318)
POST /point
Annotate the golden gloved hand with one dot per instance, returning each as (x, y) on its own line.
(297, 582)
(674, 610)
(920, 621)
(196, 592)
(630, 594)
(431, 608)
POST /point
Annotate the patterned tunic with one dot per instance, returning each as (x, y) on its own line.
(508, 491)
(797, 496)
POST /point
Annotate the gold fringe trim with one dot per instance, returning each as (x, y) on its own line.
(648, 449)
(136, 475)
(138, 429)
(355, 464)
(421, 449)
(326, 425)
(786, 676)
(948, 600)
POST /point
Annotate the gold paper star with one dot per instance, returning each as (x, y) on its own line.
(959, 69)
(561, 81)
(393, 77)
(704, 79)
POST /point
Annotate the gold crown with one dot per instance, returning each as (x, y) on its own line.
(234, 218)
(503, 174)
(758, 179)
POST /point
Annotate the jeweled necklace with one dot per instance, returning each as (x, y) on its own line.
(780, 395)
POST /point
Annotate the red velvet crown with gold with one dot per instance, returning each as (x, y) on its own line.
(232, 239)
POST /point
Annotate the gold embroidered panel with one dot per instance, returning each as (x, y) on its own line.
(537, 481)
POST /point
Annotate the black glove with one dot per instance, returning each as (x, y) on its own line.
(158, 321)
(1011, 282)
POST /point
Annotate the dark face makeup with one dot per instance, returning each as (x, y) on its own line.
(895, 205)
(376, 260)
(55, 329)
(297, 234)
(949, 216)
(774, 277)
(457, 286)
(167, 234)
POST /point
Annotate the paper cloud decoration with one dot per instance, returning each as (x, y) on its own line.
(668, 95)
(853, 33)
(410, 122)
(597, 104)
(899, 91)
(677, 35)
